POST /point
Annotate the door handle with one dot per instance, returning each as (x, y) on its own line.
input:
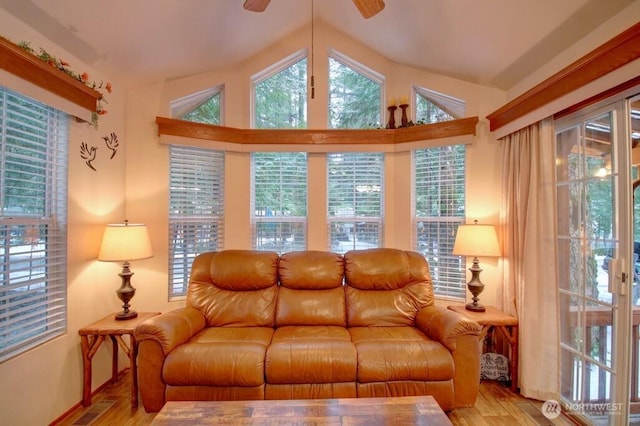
(617, 277)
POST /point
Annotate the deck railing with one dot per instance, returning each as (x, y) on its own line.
(598, 324)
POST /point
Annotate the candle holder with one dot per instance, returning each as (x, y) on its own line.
(404, 120)
(392, 119)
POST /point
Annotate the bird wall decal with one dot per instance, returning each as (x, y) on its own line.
(112, 143)
(88, 154)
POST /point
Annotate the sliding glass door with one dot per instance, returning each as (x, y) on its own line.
(596, 270)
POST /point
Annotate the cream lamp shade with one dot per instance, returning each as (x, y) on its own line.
(476, 240)
(122, 243)
(125, 241)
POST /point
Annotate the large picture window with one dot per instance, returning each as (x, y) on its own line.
(196, 210)
(33, 223)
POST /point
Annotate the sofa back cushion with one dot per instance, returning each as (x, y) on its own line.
(235, 287)
(311, 289)
(386, 287)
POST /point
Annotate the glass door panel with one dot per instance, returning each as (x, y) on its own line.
(588, 238)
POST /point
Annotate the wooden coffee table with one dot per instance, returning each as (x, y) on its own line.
(407, 410)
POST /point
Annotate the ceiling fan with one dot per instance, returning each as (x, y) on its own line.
(367, 8)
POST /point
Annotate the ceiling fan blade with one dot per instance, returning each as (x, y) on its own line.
(256, 5)
(368, 8)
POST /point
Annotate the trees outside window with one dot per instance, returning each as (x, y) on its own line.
(203, 107)
(196, 191)
(33, 223)
(439, 195)
(196, 210)
(439, 202)
(279, 179)
(434, 107)
(355, 95)
(279, 195)
(355, 200)
(280, 95)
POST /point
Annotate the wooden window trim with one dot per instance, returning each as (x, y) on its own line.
(619, 51)
(26, 66)
(445, 129)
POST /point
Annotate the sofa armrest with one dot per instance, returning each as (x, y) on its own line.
(446, 326)
(157, 337)
(461, 336)
(171, 329)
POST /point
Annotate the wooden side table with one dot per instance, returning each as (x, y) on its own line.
(491, 319)
(91, 338)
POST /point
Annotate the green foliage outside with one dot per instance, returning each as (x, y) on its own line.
(355, 183)
(281, 100)
(207, 113)
(354, 100)
(280, 183)
(428, 112)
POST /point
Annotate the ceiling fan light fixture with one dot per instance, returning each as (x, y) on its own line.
(369, 8)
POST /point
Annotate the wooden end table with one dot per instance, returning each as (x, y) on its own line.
(92, 336)
(491, 319)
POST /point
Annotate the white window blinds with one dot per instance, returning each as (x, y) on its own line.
(279, 201)
(33, 223)
(439, 195)
(355, 200)
(196, 210)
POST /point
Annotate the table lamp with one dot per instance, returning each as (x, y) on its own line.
(122, 243)
(476, 240)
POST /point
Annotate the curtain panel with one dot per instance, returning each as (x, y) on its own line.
(530, 254)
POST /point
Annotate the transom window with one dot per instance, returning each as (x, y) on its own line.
(33, 223)
(202, 107)
(434, 107)
(280, 95)
(355, 94)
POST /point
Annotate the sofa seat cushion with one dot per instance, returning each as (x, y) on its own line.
(387, 354)
(219, 356)
(311, 354)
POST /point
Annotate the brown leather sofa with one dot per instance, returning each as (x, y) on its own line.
(309, 324)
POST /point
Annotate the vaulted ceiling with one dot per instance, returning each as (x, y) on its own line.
(492, 42)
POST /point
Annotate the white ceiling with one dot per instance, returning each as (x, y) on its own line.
(493, 42)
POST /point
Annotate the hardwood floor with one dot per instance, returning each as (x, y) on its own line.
(496, 405)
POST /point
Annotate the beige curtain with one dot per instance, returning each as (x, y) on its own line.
(530, 255)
